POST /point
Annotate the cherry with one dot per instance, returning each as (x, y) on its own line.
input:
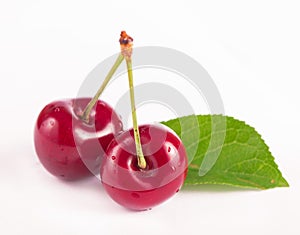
(67, 146)
(144, 171)
(71, 136)
(141, 189)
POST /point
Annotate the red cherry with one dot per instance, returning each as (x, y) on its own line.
(142, 189)
(67, 146)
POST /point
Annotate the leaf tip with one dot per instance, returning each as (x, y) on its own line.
(283, 182)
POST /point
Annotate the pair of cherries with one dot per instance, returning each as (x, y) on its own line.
(139, 168)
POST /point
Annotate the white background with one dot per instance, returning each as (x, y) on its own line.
(47, 48)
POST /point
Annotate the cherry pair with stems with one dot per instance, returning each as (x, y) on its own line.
(139, 168)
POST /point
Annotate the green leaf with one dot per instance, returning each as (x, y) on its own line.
(224, 150)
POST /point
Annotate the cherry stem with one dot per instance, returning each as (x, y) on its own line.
(126, 51)
(137, 138)
(87, 111)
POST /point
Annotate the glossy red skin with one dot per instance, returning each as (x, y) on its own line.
(166, 170)
(68, 147)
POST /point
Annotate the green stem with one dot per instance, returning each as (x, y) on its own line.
(139, 151)
(87, 111)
